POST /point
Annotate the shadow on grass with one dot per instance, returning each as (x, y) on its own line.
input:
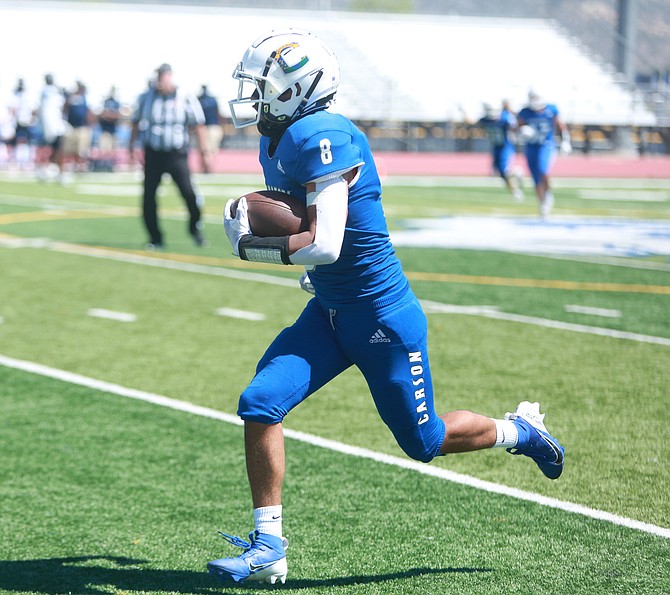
(95, 575)
(347, 581)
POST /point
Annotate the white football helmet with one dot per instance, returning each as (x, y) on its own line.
(535, 101)
(283, 76)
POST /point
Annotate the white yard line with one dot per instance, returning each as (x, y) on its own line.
(604, 312)
(112, 315)
(578, 328)
(335, 446)
(625, 195)
(485, 311)
(616, 261)
(549, 323)
(110, 254)
(241, 314)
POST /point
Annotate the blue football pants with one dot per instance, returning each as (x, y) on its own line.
(388, 345)
(540, 159)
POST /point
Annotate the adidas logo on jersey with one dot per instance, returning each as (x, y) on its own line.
(379, 337)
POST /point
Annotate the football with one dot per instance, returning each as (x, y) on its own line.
(274, 214)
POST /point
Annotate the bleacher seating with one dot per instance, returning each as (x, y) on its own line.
(394, 68)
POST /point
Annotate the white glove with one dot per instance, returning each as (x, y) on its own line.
(306, 284)
(566, 146)
(237, 226)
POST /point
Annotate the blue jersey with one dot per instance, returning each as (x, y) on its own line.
(111, 105)
(77, 111)
(320, 146)
(542, 121)
(210, 107)
(497, 129)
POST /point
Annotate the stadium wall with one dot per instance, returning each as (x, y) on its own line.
(472, 164)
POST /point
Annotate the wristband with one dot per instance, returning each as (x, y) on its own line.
(257, 249)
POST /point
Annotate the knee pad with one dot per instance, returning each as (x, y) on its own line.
(423, 444)
(259, 406)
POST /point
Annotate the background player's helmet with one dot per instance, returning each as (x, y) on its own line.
(284, 75)
(535, 101)
(490, 111)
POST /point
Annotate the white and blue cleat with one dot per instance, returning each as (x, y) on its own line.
(263, 559)
(535, 441)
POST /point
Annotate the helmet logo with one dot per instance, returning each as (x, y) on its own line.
(288, 59)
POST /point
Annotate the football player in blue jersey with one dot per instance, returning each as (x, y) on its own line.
(537, 124)
(498, 126)
(364, 313)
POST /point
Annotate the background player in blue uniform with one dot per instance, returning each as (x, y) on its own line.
(363, 313)
(498, 125)
(537, 123)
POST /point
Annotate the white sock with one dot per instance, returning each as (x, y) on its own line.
(507, 435)
(268, 519)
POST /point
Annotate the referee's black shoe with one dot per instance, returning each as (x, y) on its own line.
(199, 239)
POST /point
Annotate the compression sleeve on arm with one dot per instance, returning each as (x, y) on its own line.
(331, 198)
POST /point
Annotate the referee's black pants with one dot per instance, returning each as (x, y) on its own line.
(175, 163)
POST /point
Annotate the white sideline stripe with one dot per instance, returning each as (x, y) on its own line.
(272, 280)
(576, 309)
(169, 264)
(355, 451)
(112, 315)
(435, 307)
(625, 195)
(242, 314)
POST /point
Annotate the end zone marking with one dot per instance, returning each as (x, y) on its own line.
(335, 446)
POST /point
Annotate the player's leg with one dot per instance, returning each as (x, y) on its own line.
(300, 360)
(467, 431)
(389, 346)
(401, 383)
(505, 156)
(537, 164)
(400, 380)
(545, 160)
(153, 171)
(181, 175)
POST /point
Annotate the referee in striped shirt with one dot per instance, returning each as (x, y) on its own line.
(162, 120)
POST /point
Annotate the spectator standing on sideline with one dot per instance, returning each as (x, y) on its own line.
(498, 125)
(108, 120)
(210, 107)
(537, 124)
(163, 116)
(77, 142)
(50, 116)
(22, 115)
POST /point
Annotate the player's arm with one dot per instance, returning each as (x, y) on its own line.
(321, 243)
(327, 209)
(566, 145)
